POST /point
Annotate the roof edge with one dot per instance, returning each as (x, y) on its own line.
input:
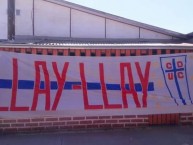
(118, 18)
(28, 38)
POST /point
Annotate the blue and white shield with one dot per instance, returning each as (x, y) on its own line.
(175, 75)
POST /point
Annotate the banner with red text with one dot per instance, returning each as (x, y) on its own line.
(73, 85)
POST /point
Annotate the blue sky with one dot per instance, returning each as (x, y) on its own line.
(175, 15)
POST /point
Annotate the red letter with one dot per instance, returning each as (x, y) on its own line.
(104, 90)
(37, 89)
(168, 65)
(180, 64)
(170, 76)
(85, 94)
(61, 81)
(131, 85)
(144, 80)
(180, 75)
(14, 89)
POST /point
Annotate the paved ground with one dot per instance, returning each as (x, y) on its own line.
(142, 136)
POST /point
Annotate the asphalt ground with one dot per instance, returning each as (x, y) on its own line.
(169, 135)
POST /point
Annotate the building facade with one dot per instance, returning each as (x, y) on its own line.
(59, 28)
(57, 18)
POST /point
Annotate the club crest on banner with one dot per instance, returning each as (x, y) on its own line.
(175, 76)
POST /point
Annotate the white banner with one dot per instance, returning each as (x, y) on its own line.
(33, 85)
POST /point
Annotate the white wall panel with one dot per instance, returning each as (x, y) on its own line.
(3, 19)
(86, 25)
(147, 34)
(120, 30)
(51, 19)
(23, 20)
(54, 20)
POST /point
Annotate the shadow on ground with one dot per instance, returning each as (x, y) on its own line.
(180, 135)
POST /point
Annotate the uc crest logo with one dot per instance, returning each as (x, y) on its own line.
(175, 76)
